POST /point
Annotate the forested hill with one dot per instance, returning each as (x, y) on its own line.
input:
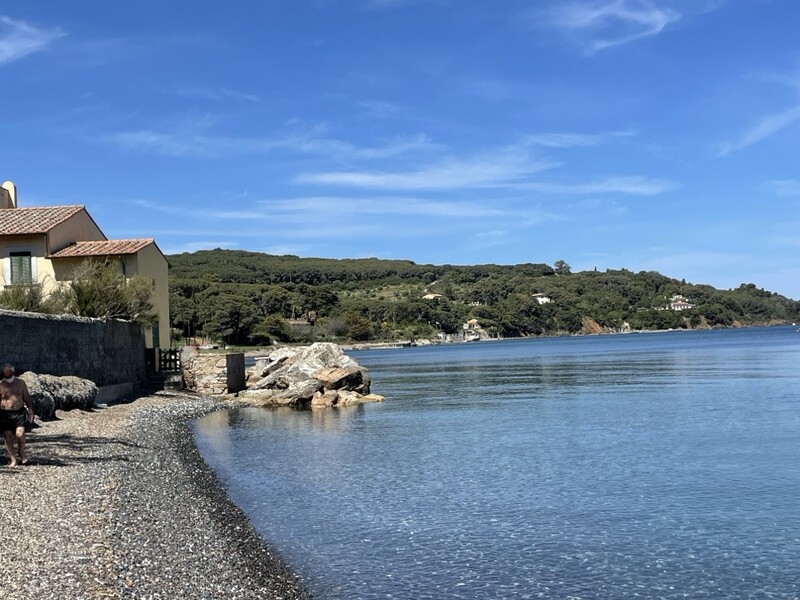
(236, 266)
(248, 297)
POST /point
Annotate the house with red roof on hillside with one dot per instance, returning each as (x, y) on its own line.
(43, 244)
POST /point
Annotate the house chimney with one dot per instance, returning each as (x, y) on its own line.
(8, 195)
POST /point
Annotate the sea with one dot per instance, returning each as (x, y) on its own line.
(642, 465)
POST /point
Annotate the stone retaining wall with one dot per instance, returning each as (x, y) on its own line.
(215, 373)
(105, 352)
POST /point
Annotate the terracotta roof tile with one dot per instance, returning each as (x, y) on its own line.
(102, 248)
(33, 220)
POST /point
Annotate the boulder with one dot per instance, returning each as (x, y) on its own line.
(317, 375)
(50, 393)
(334, 378)
(273, 361)
(301, 364)
(326, 398)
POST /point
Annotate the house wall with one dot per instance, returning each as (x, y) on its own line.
(78, 228)
(106, 352)
(149, 263)
(35, 244)
(152, 264)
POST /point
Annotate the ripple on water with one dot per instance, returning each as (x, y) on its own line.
(659, 466)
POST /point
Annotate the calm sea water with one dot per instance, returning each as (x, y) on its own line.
(662, 465)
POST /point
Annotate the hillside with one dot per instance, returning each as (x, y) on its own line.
(247, 297)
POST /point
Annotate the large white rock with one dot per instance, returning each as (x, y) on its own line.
(307, 375)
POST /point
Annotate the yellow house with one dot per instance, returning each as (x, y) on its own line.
(44, 243)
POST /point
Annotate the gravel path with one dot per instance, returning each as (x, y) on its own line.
(117, 503)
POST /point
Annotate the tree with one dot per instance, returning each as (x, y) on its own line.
(561, 267)
(98, 289)
(183, 314)
(271, 327)
(225, 317)
(358, 327)
(27, 297)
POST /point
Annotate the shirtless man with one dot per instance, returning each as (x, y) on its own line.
(15, 408)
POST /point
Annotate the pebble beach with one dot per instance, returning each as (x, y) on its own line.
(117, 503)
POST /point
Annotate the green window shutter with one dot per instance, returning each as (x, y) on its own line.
(21, 271)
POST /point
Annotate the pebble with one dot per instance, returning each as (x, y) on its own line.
(118, 503)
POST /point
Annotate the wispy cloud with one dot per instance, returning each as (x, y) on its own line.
(380, 109)
(341, 207)
(380, 4)
(635, 185)
(784, 187)
(387, 205)
(569, 140)
(162, 207)
(563, 140)
(486, 170)
(18, 39)
(194, 141)
(378, 218)
(763, 129)
(604, 24)
(215, 94)
(509, 171)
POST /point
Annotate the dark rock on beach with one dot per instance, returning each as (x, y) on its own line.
(50, 393)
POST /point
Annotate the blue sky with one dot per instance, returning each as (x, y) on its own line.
(642, 134)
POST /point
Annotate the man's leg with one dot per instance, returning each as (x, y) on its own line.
(21, 444)
(8, 438)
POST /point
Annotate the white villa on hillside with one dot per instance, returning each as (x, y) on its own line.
(678, 302)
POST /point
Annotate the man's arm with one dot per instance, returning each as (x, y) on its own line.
(26, 398)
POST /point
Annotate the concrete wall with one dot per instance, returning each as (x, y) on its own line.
(105, 352)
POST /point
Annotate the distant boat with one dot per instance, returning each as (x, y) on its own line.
(472, 337)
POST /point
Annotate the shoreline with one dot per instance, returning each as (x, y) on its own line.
(390, 345)
(118, 503)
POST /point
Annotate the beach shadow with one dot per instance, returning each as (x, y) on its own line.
(79, 441)
(61, 450)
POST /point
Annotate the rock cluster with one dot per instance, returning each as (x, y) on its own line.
(317, 375)
(50, 393)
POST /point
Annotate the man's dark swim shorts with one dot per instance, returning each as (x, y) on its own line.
(11, 419)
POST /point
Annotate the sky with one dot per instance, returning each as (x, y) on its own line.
(650, 135)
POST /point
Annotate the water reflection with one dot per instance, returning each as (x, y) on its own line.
(624, 467)
(339, 419)
(215, 430)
